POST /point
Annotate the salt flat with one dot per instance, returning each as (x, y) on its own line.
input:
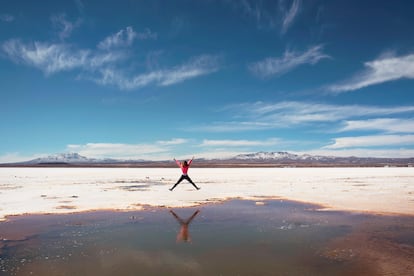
(66, 190)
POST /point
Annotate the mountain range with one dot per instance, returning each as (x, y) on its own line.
(258, 159)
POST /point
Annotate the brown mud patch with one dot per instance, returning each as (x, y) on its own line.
(386, 244)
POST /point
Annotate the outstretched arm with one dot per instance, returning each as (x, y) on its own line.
(190, 161)
(192, 217)
(178, 162)
(177, 217)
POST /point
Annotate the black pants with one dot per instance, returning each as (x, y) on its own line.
(184, 176)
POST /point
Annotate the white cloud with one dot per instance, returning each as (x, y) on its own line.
(174, 141)
(6, 17)
(384, 69)
(289, 112)
(219, 153)
(111, 76)
(372, 141)
(103, 65)
(239, 143)
(234, 126)
(264, 16)
(272, 66)
(65, 27)
(290, 15)
(80, 6)
(303, 112)
(198, 66)
(362, 152)
(53, 58)
(147, 34)
(390, 125)
(157, 150)
(100, 66)
(123, 38)
(50, 58)
(270, 14)
(117, 150)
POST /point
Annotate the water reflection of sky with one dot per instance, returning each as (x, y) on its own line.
(234, 238)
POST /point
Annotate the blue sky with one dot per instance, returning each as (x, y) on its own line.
(163, 79)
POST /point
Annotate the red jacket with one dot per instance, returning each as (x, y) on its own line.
(183, 168)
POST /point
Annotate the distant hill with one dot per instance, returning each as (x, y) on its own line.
(67, 158)
(258, 159)
(62, 158)
(72, 158)
(287, 158)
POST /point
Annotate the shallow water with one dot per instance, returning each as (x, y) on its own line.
(237, 237)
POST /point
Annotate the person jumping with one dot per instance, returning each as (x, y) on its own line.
(184, 168)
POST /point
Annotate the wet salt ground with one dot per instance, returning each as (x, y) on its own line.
(237, 237)
(65, 190)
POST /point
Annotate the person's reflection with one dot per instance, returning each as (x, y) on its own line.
(184, 235)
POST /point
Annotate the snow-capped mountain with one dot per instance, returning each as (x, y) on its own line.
(61, 158)
(68, 158)
(76, 158)
(253, 159)
(307, 159)
(282, 156)
(267, 156)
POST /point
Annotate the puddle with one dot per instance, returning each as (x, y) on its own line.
(237, 237)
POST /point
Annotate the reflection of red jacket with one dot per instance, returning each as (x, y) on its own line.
(184, 169)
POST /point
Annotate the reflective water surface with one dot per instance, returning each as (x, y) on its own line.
(237, 237)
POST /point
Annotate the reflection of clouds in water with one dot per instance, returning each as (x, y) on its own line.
(293, 225)
(147, 181)
(10, 187)
(128, 258)
(138, 184)
(133, 188)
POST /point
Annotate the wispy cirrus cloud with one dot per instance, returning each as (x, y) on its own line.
(174, 141)
(125, 38)
(288, 114)
(6, 17)
(198, 66)
(147, 34)
(372, 141)
(276, 66)
(80, 6)
(118, 150)
(122, 38)
(156, 150)
(54, 58)
(240, 143)
(303, 112)
(363, 152)
(290, 15)
(104, 65)
(278, 15)
(388, 125)
(231, 126)
(264, 16)
(64, 26)
(384, 69)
